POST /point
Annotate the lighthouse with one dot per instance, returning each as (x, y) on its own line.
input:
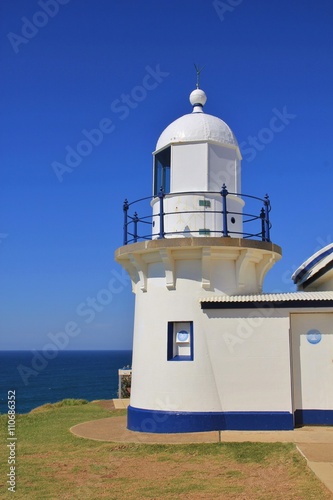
(197, 243)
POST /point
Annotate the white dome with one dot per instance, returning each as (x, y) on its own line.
(197, 126)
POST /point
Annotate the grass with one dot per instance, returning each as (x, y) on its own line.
(61, 404)
(54, 464)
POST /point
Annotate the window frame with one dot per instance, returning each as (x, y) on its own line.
(172, 354)
(162, 171)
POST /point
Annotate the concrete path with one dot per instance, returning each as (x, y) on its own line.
(314, 443)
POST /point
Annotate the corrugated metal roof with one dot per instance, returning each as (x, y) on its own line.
(271, 297)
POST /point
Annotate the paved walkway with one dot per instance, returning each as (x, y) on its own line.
(314, 443)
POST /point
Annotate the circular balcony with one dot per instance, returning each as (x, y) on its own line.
(197, 214)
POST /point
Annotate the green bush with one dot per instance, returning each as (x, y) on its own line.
(126, 381)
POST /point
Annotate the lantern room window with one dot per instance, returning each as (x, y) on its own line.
(162, 171)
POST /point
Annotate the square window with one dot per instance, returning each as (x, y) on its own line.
(180, 341)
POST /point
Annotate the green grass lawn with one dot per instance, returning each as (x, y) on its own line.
(51, 463)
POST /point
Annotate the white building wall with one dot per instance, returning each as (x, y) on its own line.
(312, 362)
(241, 358)
(251, 359)
(324, 283)
(327, 285)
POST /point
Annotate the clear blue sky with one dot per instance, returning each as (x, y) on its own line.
(68, 74)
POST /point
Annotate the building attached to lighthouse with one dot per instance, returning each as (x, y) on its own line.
(210, 351)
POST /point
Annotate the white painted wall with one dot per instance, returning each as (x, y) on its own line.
(204, 166)
(324, 283)
(224, 168)
(244, 360)
(189, 167)
(209, 218)
(312, 363)
(169, 385)
(249, 352)
(241, 359)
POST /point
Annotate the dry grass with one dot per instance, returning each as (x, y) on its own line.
(54, 464)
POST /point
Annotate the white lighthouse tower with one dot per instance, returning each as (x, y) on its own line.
(202, 239)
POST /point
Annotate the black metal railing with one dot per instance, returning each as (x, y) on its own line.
(259, 223)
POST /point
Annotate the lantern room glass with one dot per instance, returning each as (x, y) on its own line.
(162, 171)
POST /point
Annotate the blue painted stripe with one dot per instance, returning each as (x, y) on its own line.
(313, 417)
(167, 422)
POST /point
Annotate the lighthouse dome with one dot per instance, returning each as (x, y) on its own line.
(197, 126)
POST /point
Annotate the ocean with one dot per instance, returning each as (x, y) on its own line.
(70, 374)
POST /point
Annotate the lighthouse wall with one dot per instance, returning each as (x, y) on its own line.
(227, 375)
(197, 214)
(239, 375)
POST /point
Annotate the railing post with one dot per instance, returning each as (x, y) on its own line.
(263, 225)
(125, 209)
(135, 220)
(267, 209)
(161, 197)
(224, 194)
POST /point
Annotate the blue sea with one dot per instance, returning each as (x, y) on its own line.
(71, 374)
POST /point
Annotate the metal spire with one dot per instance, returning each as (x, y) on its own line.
(198, 70)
